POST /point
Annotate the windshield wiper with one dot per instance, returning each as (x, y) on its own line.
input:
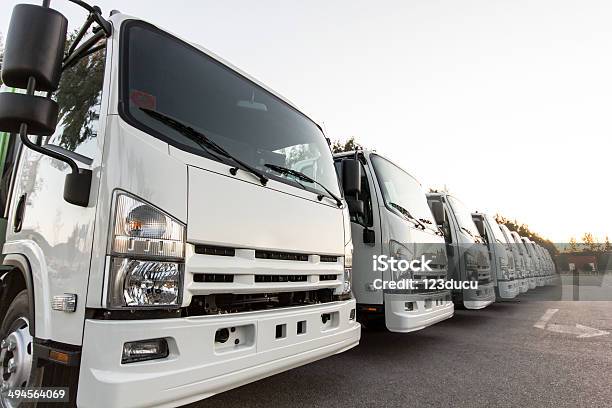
(407, 214)
(301, 176)
(468, 231)
(203, 141)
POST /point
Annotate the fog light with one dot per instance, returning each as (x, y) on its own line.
(144, 350)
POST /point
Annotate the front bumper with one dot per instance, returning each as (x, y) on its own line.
(198, 367)
(523, 285)
(427, 309)
(533, 283)
(479, 298)
(508, 289)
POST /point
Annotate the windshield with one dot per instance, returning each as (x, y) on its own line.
(464, 217)
(496, 230)
(163, 74)
(401, 189)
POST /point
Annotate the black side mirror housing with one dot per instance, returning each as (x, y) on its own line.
(38, 113)
(437, 210)
(356, 207)
(34, 47)
(369, 236)
(351, 177)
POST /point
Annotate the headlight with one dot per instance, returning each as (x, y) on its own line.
(400, 252)
(348, 268)
(147, 256)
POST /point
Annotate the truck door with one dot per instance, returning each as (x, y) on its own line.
(363, 252)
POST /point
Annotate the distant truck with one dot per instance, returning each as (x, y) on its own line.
(467, 252)
(520, 265)
(502, 258)
(529, 262)
(390, 218)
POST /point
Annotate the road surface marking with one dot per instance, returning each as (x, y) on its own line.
(541, 324)
(579, 330)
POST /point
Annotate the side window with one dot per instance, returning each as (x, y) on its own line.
(79, 97)
(368, 218)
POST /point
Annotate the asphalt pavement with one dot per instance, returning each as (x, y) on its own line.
(524, 352)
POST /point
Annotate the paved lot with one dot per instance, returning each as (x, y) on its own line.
(491, 357)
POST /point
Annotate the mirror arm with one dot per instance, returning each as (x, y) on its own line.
(83, 50)
(80, 35)
(96, 14)
(23, 133)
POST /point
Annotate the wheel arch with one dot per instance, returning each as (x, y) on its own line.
(16, 276)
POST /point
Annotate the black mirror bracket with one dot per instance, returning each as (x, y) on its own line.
(78, 183)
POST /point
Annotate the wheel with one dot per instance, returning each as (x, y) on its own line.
(16, 347)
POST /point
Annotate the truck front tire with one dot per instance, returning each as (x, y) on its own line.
(16, 349)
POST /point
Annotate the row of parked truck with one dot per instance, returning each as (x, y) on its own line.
(392, 215)
(172, 228)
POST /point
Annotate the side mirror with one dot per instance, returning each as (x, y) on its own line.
(351, 176)
(356, 207)
(369, 236)
(38, 113)
(34, 47)
(33, 61)
(437, 210)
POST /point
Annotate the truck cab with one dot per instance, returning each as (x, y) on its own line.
(502, 259)
(529, 263)
(467, 252)
(390, 218)
(537, 262)
(519, 260)
(161, 246)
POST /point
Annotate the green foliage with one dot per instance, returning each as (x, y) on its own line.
(524, 231)
(349, 145)
(77, 94)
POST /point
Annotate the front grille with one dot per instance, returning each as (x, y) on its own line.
(280, 278)
(214, 250)
(213, 277)
(281, 256)
(328, 258)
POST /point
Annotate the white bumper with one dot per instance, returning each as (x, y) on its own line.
(427, 309)
(197, 367)
(479, 298)
(523, 285)
(532, 283)
(508, 289)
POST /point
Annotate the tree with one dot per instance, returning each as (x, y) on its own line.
(77, 96)
(606, 246)
(349, 145)
(524, 231)
(589, 243)
(573, 245)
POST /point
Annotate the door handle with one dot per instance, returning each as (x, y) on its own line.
(19, 213)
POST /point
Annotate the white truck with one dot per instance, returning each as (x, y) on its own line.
(391, 220)
(536, 261)
(520, 265)
(529, 263)
(502, 258)
(468, 256)
(160, 245)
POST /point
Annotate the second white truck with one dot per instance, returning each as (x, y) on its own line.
(390, 219)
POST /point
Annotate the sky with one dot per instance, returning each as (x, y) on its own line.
(505, 103)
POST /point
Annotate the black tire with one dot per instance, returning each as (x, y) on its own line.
(19, 308)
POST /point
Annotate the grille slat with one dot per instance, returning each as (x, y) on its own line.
(281, 256)
(214, 250)
(280, 278)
